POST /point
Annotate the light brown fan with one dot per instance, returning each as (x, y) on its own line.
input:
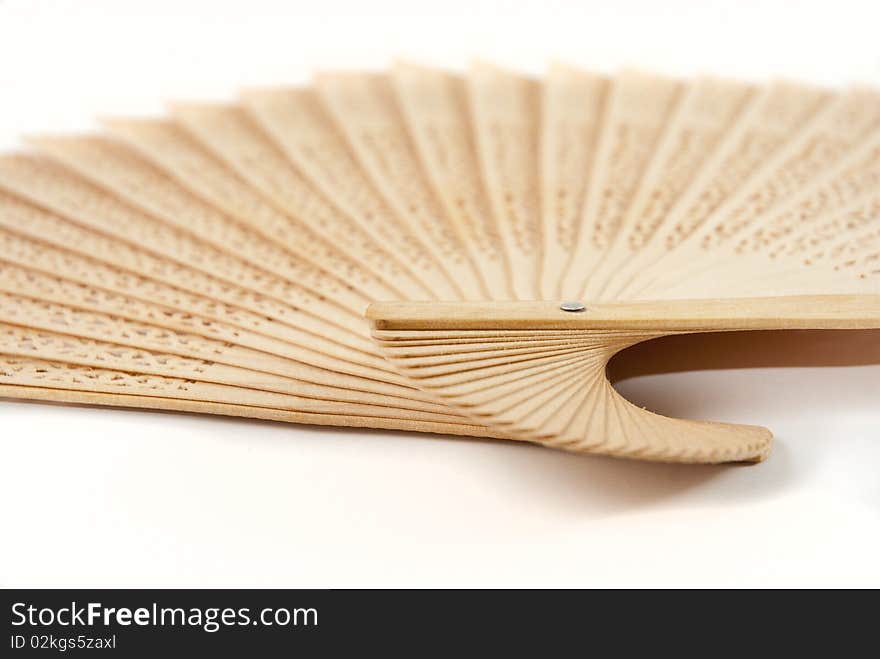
(511, 235)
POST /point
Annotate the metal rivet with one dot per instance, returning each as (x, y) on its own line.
(573, 306)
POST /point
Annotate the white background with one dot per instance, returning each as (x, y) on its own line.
(112, 497)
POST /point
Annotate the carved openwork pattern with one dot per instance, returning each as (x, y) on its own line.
(222, 258)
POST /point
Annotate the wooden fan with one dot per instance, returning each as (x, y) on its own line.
(504, 237)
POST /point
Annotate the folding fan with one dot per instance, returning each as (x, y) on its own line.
(435, 252)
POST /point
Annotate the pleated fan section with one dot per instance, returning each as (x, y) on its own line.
(222, 258)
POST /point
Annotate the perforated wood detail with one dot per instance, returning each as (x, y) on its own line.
(221, 259)
(302, 128)
(637, 111)
(506, 117)
(367, 113)
(435, 107)
(571, 113)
